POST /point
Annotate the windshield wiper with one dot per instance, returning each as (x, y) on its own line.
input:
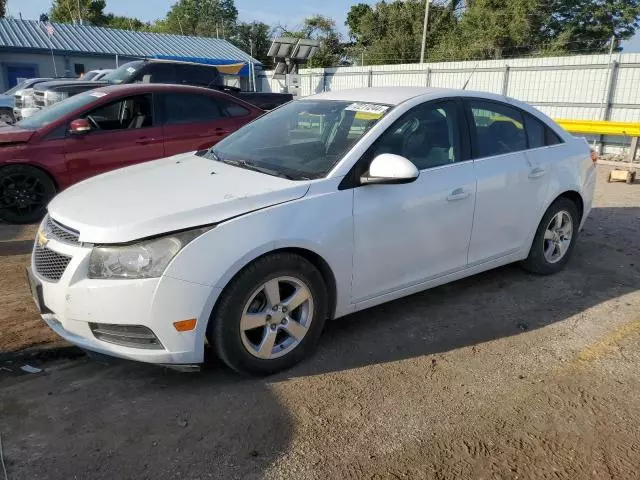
(251, 166)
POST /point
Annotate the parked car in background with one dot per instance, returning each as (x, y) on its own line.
(23, 97)
(95, 75)
(105, 129)
(7, 102)
(157, 71)
(326, 206)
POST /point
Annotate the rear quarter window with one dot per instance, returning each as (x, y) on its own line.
(539, 134)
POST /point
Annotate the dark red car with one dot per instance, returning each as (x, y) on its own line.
(105, 129)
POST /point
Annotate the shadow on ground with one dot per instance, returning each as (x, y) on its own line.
(153, 423)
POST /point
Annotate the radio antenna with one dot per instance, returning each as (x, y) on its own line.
(470, 75)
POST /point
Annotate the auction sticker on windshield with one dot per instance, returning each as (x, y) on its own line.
(368, 111)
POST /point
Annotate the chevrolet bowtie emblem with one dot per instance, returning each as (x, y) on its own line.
(42, 239)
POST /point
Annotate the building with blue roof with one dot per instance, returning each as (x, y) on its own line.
(30, 48)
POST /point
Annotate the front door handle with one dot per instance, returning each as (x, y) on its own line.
(537, 172)
(457, 194)
(145, 141)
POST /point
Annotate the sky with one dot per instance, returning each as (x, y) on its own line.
(289, 13)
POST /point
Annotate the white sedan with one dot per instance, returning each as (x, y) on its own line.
(323, 207)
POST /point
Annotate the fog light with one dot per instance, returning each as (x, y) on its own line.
(134, 336)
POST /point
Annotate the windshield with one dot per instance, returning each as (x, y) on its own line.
(13, 90)
(124, 73)
(303, 139)
(57, 111)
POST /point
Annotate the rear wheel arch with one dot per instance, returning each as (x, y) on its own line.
(576, 198)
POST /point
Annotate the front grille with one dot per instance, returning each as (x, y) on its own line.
(49, 264)
(39, 99)
(60, 232)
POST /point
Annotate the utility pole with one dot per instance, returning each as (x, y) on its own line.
(79, 12)
(424, 30)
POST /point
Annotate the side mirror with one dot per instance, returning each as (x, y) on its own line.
(79, 126)
(388, 168)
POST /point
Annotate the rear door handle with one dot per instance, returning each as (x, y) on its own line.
(457, 194)
(537, 172)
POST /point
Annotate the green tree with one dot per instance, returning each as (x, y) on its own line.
(255, 39)
(126, 23)
(354, 18)
(200, 17)
(496, 28)
(392, 32)
(90, 12)
(588, 25)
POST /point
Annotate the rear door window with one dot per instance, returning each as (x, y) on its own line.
(232, 109)
(499, 128)
(180, 108)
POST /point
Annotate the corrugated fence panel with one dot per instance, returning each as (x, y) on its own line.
(573, 87)
(627, 85)
(483, 81)
(406, 78)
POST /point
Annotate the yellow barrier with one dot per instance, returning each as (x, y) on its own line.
(600, 127)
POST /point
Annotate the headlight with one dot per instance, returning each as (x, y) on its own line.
(29, 101)
(146, 259)
(52, 98)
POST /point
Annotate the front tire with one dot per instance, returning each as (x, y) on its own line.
(555, 238)
(25, 192)
(270, 316)
(6, 116)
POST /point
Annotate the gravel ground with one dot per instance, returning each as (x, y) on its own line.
(502, 375)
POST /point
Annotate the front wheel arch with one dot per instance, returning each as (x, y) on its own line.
(312, 257)
(219, 329)
(46, 177)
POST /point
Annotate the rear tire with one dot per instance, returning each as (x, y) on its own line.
(269, 346)
(554, 239)
(25, 192)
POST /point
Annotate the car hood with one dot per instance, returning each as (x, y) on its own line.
(166, 195)
(10, 134)
(6, 101)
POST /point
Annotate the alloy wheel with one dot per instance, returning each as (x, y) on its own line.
(276, 317)
(557, 237)
(21, 193)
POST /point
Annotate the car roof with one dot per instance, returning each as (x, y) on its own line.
(154, 87)
(398, 95)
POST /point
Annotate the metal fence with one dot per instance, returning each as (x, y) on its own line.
(584, 87)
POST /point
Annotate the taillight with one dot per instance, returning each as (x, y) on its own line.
(594, 156)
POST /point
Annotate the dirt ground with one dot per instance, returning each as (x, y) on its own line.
(502, 375)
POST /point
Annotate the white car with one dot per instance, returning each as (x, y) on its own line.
(96, 75)
(323, 207)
